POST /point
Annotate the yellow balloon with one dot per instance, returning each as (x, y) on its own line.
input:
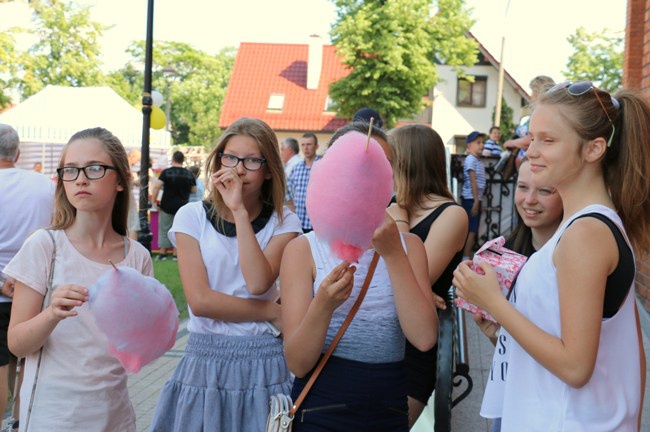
(158, 119)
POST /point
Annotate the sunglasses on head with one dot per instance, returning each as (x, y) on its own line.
(581, 87)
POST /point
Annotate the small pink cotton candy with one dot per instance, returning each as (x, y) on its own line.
(347, 195)
(138, 315)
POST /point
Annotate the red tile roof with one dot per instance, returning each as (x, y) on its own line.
(262, 69)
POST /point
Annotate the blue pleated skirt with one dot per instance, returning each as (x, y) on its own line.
(223, 383)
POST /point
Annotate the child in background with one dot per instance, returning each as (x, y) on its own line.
(425, 207)
(575, 354)
(473, 188)
(492, 147)
(71, 382)
(229, 251)
(540, 213)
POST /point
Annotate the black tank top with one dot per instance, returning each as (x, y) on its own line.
(620, 281)
(441, 286)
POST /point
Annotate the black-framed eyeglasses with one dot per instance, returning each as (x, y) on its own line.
(92, 172)
(581, 87)
(231, 161)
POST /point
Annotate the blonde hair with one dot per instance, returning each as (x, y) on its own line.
(540, 84)
(273, 190)
(626, 164)
(64, 211)
(419, 166)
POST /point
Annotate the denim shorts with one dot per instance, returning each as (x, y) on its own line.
(474, 221)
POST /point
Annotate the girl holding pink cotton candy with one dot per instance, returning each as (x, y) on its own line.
(363, 386)
(71, 381)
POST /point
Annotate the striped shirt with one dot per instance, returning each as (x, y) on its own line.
(297, 190)
(492, 147)
(472, 163)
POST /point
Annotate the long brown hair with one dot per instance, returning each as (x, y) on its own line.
(419, 166)
(65, 213)
(273, 189)
(626, 164)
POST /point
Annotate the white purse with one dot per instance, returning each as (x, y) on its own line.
(279, 416)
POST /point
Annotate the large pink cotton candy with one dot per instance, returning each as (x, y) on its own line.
(137, 314)
(347, 195)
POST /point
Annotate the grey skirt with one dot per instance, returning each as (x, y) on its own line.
(223, 383)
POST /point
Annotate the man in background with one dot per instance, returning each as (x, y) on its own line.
(299, 179)
(289, 151)
(27, 205)
(177, 184)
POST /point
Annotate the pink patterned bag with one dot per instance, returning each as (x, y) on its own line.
(506, 264)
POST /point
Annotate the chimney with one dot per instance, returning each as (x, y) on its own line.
(314, 61)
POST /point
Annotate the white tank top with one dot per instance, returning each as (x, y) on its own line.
(536, 400)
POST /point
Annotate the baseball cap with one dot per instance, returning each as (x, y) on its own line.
(364, 115)
(473, 136)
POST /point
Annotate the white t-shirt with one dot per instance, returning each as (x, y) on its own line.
(221, 256)
(27, 205)
(291, 164)
(80, 386)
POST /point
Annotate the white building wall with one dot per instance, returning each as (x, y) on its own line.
(450, 120)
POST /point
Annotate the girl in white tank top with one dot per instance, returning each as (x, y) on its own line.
(574, 365)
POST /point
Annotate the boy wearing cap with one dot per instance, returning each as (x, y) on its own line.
(473, 187)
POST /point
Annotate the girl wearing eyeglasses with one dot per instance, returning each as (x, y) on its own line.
(71, 382)
(229, 251)
(576, 359)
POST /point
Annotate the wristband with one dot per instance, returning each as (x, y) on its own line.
(403, 221)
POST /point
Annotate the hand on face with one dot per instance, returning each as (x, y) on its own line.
(65, 298)
(337, 286)
(229, 184)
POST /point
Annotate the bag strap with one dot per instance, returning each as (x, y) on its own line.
(46, 303)
(337, 338)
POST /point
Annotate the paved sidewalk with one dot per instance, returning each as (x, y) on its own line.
(144, 387)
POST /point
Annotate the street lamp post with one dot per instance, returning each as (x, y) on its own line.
(145, 235)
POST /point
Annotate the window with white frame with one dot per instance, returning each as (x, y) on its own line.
(472, 94)
(276, 102)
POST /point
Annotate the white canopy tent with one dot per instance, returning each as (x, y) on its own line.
(47, 120)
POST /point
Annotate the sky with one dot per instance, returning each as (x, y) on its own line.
(535, 35)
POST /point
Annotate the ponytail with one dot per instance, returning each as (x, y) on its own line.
(626, 168)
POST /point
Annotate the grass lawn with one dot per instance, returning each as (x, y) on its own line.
(167, 273)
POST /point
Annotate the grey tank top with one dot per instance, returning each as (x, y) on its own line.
(374, 336)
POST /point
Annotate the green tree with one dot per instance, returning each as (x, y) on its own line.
(197, 87)
(507, 125)
(597, 57)
(7, 66)
(391, 47)
(67, 50)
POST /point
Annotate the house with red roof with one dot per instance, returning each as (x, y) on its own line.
(286, 85)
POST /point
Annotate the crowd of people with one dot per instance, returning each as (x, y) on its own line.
(267, 293)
